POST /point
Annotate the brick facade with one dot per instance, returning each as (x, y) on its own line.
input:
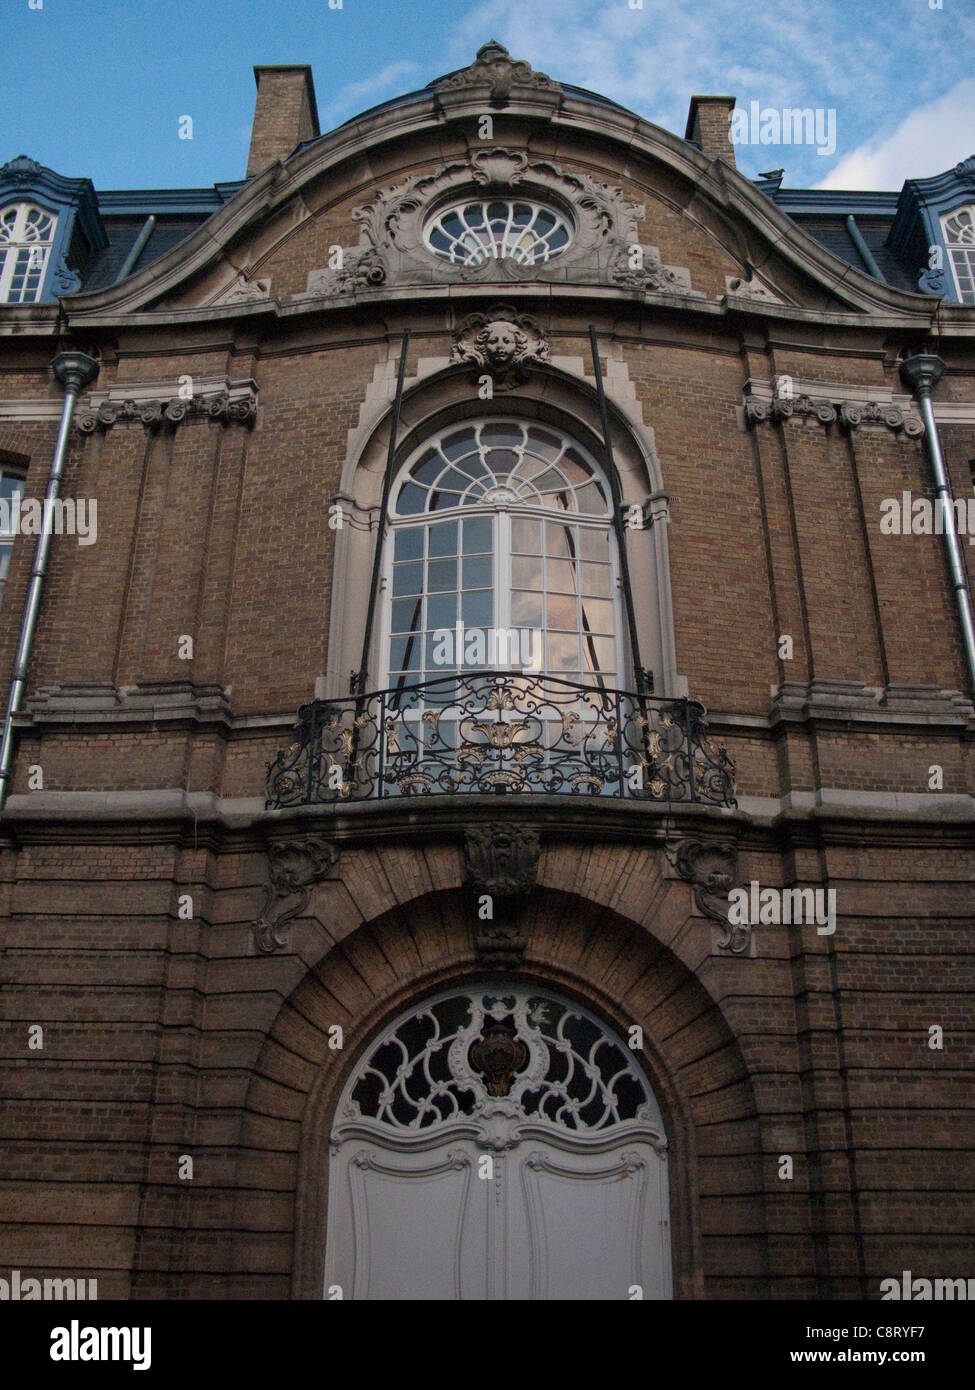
(167, 1036)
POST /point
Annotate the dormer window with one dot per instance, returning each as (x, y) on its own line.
(483, 229)
(26, 235)
(959, 233)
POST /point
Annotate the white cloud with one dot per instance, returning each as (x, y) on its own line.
(931, 139)
(391, 81)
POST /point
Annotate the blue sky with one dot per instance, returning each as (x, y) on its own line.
(97, 87)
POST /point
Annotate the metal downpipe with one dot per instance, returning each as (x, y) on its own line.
(73, 370)
(921, 373)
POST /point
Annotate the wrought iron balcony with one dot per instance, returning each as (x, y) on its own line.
(501, 732)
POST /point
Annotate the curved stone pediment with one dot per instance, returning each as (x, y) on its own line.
(283, 239)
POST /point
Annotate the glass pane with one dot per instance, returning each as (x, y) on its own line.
(441, 610)
(561, 574)
(590, 499)
(408, 544)
(526, 536)
(595, 580)
(443, 539)
(598, 615)
(593, 544)
(477, 536)
(526, 572)
(455, 481)
(455, 446)
(501, 461)
(526, 609)
(11, 486)
(440, 658)
(406, 615)
(501, 434)
(547, 480)
(560, 541)
(478, 572)
(477, 608)
(563, 651)
(441, 574)
(407, 579)
(598, 653)
(412, 499)
(443, 501)
(546, 446)
(429, 467)
(404, 654)
(561, 611)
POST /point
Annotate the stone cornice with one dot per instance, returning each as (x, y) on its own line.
(894, 709)
(169, 815)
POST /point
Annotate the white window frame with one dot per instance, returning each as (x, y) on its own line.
(961, 253)
(19, 243)
(501, 574)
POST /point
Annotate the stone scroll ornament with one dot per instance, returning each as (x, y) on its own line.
(711, 870)
(294, 867)
(501, 342)
(220, 406)
(502, 864)
(495, 68)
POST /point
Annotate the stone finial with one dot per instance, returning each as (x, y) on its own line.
(494, 67)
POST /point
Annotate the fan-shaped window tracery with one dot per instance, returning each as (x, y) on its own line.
(563, 1068)
(483, 229)
(959, 231)
(26, 234)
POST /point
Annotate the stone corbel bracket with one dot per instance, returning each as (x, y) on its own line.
(294, 867)
(501, 863)
(224, 406)
(711, 868)
(853, 413)
(850, 414)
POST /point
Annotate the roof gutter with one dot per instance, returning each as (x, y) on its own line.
(921, 373)
(73, 370)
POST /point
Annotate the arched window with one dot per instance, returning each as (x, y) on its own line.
(502, 557)
(959, 234)
(483, 229)
(26, 234)
(498, 1143)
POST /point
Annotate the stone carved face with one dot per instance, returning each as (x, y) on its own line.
(501, 341)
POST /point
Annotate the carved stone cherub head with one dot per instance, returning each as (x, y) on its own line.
(502, 342)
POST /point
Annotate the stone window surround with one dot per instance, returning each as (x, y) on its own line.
(440, 395)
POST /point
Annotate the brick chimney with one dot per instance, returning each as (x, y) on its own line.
(285, 114)
(709, 126)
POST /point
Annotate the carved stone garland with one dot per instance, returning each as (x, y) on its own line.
(602, 248)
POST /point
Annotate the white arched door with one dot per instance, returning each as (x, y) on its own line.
(498, 1143)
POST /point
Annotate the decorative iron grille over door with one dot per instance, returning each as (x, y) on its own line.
(498, 1144)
